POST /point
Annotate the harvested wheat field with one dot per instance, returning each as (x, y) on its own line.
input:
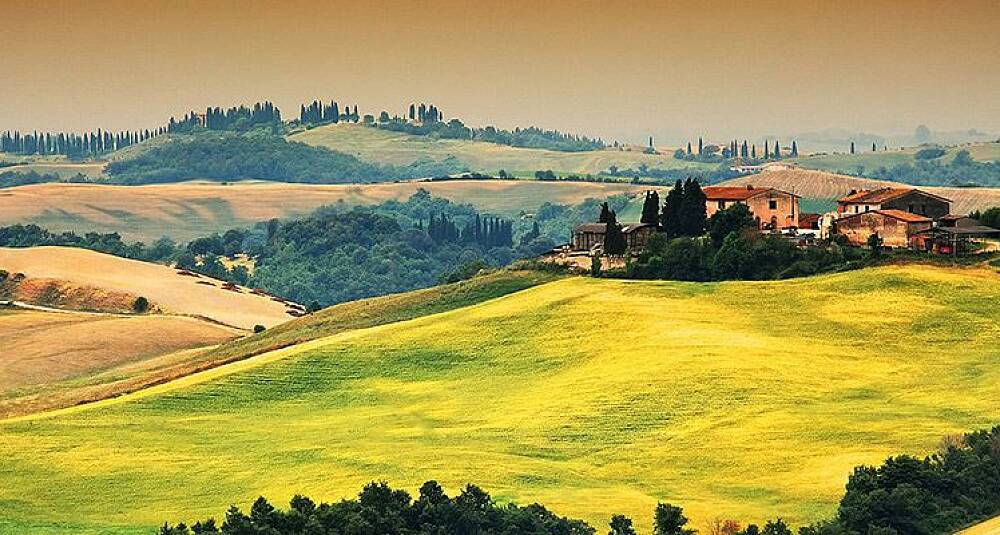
(39, 347)
(824, 185)
(167, 289)
(188, 210)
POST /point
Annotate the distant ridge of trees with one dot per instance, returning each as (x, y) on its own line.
(70, 144)
(236, 118)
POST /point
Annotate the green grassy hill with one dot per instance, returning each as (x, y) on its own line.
(985, 152)
(742, 400)
(383, 146)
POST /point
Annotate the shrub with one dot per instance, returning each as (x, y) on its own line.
(929, 153)
(258, 328)
(140, 305)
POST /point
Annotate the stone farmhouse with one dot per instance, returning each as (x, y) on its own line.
(775, 209)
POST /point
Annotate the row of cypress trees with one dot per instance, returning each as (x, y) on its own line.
(319, 113)
(486, 232)
(70, 144)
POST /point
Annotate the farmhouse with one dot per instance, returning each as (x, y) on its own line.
(590, 235)
(909, 200)
(774, 209)
(956, 239)
(896, 227)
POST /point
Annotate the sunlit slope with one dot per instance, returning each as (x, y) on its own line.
(990, 527)
(383, 146)
(595, 397)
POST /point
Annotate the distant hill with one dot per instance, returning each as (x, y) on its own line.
(386, 147)
(751, 400)
(187, 210)
(167, 290)
(820, 185)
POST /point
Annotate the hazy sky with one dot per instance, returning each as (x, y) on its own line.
(615, 69)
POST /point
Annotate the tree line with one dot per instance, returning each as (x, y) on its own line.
(316, 113)
(485, 232)
(745, 151)
(235, 118)
(70, 144)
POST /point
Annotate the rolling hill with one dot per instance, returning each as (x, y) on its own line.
(167, 290)
(821, 185)
(387, 147)
(187, 210)
(985, 152)
(740, 400)
(45, 355)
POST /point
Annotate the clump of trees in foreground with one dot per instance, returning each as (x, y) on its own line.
(939, 494)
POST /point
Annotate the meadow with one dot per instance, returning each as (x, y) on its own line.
(187, 210)
(387, 147)
(734, 400)
(846, 162)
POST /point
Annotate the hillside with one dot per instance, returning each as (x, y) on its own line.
(990, 527)
(984, 152)
(165, 288)
(751, 400)
(43, 353)
(382, 146)
(820, 185)
(188, 210)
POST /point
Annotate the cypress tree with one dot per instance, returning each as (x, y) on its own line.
(795, 149)
(605, 214)
(754, 156)
(777, 150)
(651, 208)
(767, 154)
(689, 148)
(701, 145)
(671, 217)
(852, 147)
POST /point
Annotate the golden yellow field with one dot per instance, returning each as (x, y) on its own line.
(823, 185)
(166, 289)
(191, 209)
(737, 400)
(990, 527)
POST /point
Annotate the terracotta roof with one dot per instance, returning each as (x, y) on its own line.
(807, 220)
(895, 214)
(883, 194)
(737, 193)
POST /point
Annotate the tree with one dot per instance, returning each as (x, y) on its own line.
(963, 159)
(670, 520)
(258, 328)
(753, 153)
(689, 148)
(852, 147)
(693, 211)
(605, 213)
(734, 219)
(701, 146)
(922, 134)
(875, 244)
(140, 305)
(595, 266)
(621, 525)
(672, 216)
(795, 149)
(776, 527)
(651, 208)
(614, 239)
(767, 151)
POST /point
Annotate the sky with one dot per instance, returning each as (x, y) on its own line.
(619, 70)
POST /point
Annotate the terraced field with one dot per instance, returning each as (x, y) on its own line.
(742, 400)
(383, 146)
(191, 209)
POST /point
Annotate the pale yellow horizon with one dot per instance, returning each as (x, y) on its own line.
(620, 70)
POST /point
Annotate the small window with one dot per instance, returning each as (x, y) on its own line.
(867, 207)
(772, 204)
(909, 208)
(857, 209)
(722, 205)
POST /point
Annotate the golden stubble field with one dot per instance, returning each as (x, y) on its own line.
(187, 210)
(738, 400)
(166, 289)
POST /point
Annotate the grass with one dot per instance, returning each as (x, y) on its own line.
(990, 527)
(188, 210)
(985, 152)
(383, 146)
(742, 400)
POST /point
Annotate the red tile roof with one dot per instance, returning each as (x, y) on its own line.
(896, 214)
(881, 195)
(736, 193)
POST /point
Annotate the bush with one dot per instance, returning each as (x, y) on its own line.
(258, 328)
(140, 305)
(932, 153)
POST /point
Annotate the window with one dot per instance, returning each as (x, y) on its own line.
(909, 208)
(772, 204)
(857, 209)
(722, 205)
(867, 207)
